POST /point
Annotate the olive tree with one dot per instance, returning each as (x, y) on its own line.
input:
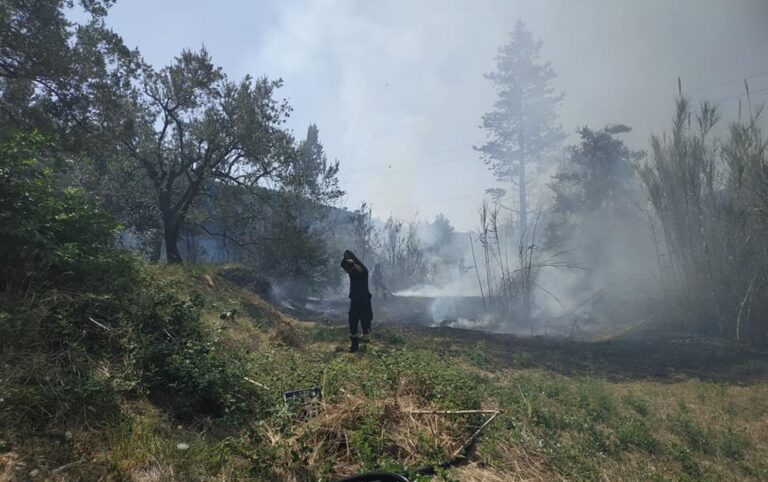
(187, 127)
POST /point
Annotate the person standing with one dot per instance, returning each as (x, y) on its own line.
(360, 310)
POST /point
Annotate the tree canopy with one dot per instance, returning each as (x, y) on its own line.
(187, 126)
(522, 130)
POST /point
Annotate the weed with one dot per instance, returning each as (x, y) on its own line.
(633, 431)
(733, 443)
(478, 359)
(594, 398)
(686, 459)
(638, 404)
(391, 337)
(696, 437)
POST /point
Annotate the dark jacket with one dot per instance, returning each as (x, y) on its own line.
(358, 281)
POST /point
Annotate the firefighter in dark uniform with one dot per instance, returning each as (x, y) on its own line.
(360, 311)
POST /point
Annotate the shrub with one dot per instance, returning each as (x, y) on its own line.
(81, 323)
(46, 230)
(710, 198)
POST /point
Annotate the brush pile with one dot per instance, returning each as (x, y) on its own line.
(342, 439)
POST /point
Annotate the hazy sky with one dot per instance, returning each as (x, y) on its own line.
(396, 87)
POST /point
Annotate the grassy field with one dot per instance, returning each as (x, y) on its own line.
(653, 410)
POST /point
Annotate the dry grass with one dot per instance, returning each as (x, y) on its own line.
(511, 461)
(391, 428)
(520, 469)
(9, 465)
(364, 421)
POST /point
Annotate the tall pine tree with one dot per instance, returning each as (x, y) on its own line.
(522, 129)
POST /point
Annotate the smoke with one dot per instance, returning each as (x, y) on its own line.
(458, 286)
(613, 283)
(482, 323)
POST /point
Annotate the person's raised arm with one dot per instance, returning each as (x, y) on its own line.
(357, 265)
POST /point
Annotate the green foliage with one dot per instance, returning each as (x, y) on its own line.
(298, 254)
(311, 175)
(733, 443)
(45, 228)
(187, 129)
(479, 358)
(596, 185)
(687, 460)
(638, 404)
(53, 68)
(594, 398)
(598, 172)
(730, 442)
(696, 436)
(148, 339)
(391, 337)
(88, 323)
(180, 360)
(634, 431)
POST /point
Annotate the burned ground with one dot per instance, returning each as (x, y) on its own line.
(632, 354)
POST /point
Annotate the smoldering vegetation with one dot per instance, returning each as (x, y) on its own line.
(620, 243)
(172, 306)
(628, 244)
(584, 238)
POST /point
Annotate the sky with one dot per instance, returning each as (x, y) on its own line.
(396, 87)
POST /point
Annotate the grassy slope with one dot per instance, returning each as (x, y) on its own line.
(570, 412)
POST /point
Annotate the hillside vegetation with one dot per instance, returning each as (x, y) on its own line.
(114, 369)
(184, 381)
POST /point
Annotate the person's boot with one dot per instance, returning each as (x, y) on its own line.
(366, 338)
(366, 326)
(355, 346)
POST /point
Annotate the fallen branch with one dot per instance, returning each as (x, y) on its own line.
(66, 466)
(256, 383)
(101, 325)
(453, 412)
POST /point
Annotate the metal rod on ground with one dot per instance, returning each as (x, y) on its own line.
(430, 470)
(452, 412)
(473, 437)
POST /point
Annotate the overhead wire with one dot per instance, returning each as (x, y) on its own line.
(405, 168)
(744, 94)
(389, 164)
(729, 82)
(392, 168)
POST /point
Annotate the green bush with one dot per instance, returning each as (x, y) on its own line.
(47, 228)
(81, 323)
(181, 363)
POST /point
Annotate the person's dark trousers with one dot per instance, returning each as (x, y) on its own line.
(360, 313)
